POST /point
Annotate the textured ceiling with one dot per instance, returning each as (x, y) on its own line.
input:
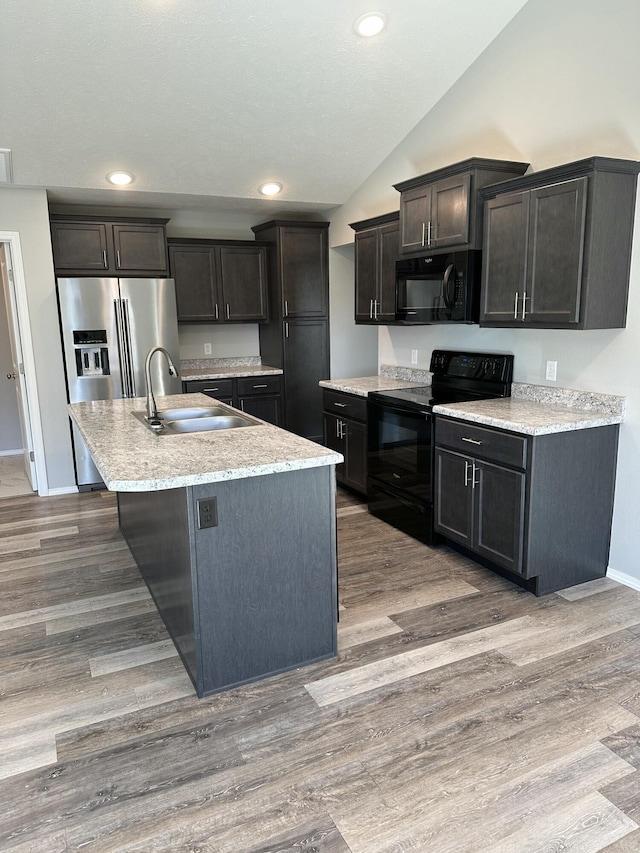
(209, 98)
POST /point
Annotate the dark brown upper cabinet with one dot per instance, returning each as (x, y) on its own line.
(99, 245)
(557, 247)
(301, 262)
(377, 246)
(219, 281)
(443, 209)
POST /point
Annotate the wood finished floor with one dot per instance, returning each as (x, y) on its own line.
(462, 713)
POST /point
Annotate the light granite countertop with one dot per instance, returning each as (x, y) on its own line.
(132, 458)
(362, 385)
(227, 372)
(528, 416)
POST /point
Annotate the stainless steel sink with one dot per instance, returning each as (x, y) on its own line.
(195, 419)
(205, 424)
(190, 412)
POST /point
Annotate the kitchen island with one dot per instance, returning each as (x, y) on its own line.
(233, 532)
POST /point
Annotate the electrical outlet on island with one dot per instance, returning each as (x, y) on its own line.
(207, 349)
(552, 370)
(414, 356)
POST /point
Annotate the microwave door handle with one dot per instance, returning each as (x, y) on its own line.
(448, 301)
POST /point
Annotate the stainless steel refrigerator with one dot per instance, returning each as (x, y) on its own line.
(108, 327)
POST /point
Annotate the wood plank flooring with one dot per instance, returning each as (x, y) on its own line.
(461, 714)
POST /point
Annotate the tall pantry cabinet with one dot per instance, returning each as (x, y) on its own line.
(296, 337)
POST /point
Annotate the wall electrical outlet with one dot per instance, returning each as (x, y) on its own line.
(552, 370)
(414, 356)
(207, 349)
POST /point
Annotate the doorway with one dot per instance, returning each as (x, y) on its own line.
(24, 469)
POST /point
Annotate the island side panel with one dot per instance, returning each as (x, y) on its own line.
(266, 576)
(156, 528)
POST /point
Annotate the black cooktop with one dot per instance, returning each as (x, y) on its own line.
(458, 377)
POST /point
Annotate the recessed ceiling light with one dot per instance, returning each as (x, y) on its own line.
(120, 179)
(370, 24)
(271, 188)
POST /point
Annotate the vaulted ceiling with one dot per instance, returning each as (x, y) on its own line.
(203, 100)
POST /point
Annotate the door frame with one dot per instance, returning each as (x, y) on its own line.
(18, 317)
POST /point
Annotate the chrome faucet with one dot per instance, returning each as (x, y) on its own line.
(152, 409)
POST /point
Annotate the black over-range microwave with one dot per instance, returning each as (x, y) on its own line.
(439, 288)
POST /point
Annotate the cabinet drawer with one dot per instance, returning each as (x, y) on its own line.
(215, 387)
(491, 444)
(258, 385)
(347, 405)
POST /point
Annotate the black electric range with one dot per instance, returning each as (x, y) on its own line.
(401, 426)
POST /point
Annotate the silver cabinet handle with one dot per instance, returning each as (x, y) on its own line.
(471, 440)
(423, 230)
(228, 312)
(476, 470)
(104, 258)
(467, 465)
(429, 234)
(286, 307)
(216, 307)
(515, 307)
(204, 390)
(375, 309)
(341, 405)
(371, 309)
(410, 312)
(286, 330)
(118, 258)
(524, 302)
(242, 405)
(260, 386)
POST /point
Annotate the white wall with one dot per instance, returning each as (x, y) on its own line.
(558, 84)
(10, 437)
(25, 211)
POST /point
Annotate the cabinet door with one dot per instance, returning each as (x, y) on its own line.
(355, 454)
(415, 213)
(267, 407)
(306, 362)
(244, 282)
(499, 515)
(140, 248)
(366, 274)
(556, 248)
(388, 251)
(79, 246)
(504, 261)
(335, 439)
(454, 496)
(450, 212)
(195, 271)
(303, 272)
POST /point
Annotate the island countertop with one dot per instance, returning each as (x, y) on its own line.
(132, 458)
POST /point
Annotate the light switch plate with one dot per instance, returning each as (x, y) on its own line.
(207, 349)
(552, 370)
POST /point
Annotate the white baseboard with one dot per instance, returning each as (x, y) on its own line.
(621, 577)
(18, 452)
(65, 490)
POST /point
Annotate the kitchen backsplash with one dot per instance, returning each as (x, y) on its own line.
(203, 363)
(408, 374)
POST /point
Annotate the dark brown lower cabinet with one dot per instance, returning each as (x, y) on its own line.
(260, 396)
(345, 430)
(305, 347)
(536, 508)
(256, 593)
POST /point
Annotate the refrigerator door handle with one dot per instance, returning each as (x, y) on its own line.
(126, 328)
(122, 351)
